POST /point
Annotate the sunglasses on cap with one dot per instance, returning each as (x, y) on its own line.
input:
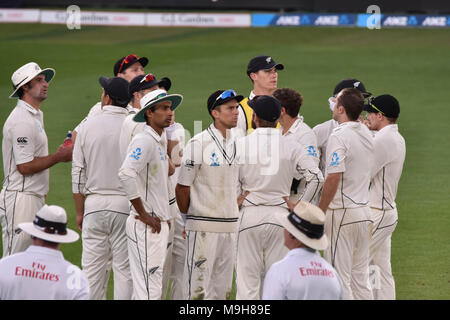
(224, 95)
(127, 60)
(149, 77)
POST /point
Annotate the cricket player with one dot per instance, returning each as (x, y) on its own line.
(324, 130)
(26, 161)
(294, 128)
(128, 67)
(268, 162)
(144, 174)
(303, 274)
(263, 72)
(100, 199)
(41, 272)
(389, 156)
(345, 196)
(206, 195)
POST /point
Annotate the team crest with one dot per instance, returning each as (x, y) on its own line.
(214, 160)
(334, 160)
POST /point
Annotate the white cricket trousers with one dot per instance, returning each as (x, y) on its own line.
(208, 268)
(384, 223)
(17, 207)
(260, 243)
(147, 252)
(348, 232)
(105, 245)
(176, 256)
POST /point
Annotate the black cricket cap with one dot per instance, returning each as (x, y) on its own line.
(351, 83)
(123, 63)
(266, 107)
(220, 97)
(262, 63)
(386, 104)
(147, 81)
(117, 89)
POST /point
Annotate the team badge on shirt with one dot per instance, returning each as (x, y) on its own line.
(161, 156)
(334, 160)
(312, 151)
(136, 154)
(214, 160)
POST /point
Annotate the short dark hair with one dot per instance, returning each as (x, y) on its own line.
(115, 103)
(353, 101)
(264, 123)
(19, 92)
(290, 100)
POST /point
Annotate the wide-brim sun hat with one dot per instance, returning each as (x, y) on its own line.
(28, 72)
(154, 97)
(306, 223)
(50, 224)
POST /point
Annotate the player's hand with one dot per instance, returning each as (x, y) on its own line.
(64, 153)
(241, 198)
(153, 222)
(80, 222)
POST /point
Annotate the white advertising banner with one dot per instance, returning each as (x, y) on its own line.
(19, 15)
(94, 18)
(198, 20)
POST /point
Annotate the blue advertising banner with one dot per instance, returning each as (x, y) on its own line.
(306, 19)
(404, 20)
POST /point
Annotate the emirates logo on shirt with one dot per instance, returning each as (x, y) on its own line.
(37, 271)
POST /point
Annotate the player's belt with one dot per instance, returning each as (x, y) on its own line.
(201, 218)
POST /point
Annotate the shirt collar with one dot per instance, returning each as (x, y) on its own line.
(115, 109)
(27, 106)
(218, 134)
(155, 134)
(267, 131)
(352, 124)
(393, 127)
(251, 95)
(301, 251)
(43, 250)
(293, 129)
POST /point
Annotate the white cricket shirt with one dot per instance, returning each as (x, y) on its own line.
(129, 129)
(389, 156)
(209, 168)
(41, 274)
(350, 151)
(302, 275)
(323, 132)
(268, 163)
(95, 162)
(24, 139)
(144, 172)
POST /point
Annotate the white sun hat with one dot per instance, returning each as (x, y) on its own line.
(306, 223)
(26, 73)
(50, 224)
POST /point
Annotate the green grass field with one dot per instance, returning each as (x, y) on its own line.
(411, 64)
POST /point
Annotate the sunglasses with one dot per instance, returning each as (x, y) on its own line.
(149, 77)
(226, 94)
(127, 60)
(373, 106)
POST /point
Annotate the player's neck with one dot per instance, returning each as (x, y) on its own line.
(286, 122)
(259, 91)
(35, 103)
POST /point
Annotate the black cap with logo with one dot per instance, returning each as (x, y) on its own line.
(262, 63)
(351, 83)
(117, 89)
(386, 104)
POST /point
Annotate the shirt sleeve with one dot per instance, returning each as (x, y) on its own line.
(138, 153)
(336, 153)
(190, 163)
(307, 168)
(273, 286)
(22, 142)
(78, 166)
(380, 156)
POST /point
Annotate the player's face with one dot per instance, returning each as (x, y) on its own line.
(161, 117)
(136, 69)
(37, 88)
(373, 120)
(266, 79)
(227, 114)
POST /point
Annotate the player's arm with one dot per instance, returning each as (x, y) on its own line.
(329, 190)
(78, 181)
(307, 168)
(24, 150)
